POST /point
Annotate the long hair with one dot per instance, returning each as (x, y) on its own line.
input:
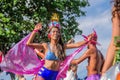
(60, 49)
(117, 7)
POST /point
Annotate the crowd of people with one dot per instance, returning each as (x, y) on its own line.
(53, 53)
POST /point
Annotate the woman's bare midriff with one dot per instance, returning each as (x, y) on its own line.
(52, 65)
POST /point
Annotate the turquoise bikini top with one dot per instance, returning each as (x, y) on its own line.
(50, 55)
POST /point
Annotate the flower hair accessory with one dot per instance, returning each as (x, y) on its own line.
(95, 36)
(92, 41)
(54, 21)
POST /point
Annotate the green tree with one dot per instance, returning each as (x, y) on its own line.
(18, 17)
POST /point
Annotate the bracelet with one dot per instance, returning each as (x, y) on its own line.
(35, 30)
(38, 31)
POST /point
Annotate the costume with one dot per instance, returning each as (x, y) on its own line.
(50, 55)
(47, 74)
(0, 61)
(94, 77)
(0, 58)
(22, 59)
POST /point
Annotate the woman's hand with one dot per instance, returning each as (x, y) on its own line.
(38, 26)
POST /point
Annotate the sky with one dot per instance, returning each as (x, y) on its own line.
(98, 16)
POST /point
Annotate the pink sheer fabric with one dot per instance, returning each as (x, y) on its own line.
(65, 64)
(22, 59)
(0, 58)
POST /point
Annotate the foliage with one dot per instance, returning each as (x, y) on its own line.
(18, 17)
(117, 52)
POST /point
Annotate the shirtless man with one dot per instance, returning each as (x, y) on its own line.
(95, 60)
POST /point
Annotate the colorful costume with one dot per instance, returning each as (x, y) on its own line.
(22, 59)
(48, 74)
(111, 74)
(50, 55)
(0, 58)
(117, 52)
(94, 77)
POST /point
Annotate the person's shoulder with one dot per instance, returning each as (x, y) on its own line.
(91, 50)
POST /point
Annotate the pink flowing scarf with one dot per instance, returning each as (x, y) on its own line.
(0, 58)
(22, 59)
(65, 64)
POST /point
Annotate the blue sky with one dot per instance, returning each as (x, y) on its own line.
(98, 16)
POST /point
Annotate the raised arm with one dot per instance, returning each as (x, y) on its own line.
(85, 55)
(80, 43)
(30, 40)
(40, 53)
(75, 45)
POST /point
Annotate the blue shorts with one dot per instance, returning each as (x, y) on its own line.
(47, 74)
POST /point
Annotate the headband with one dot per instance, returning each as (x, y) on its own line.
(92, 41)
(54, 21)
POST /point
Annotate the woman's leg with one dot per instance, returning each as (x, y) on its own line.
(111, 49)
